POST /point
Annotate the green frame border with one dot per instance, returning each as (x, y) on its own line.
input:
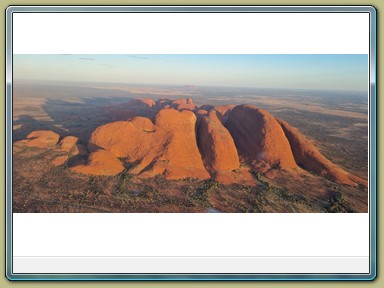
(173, 3)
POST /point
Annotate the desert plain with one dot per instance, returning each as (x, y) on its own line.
(124, 148)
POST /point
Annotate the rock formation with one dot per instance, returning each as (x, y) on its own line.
(180, 157)
(60, 151)
(224, 111)
(142, 124)
(100, 162)
(259, 138)
(59, 160)
(219, 152)
(217, 146)
(178, 139)
(226, 135)
(188, 106)
(169, 148)
(68, 143)
(201, 112)
(309, 157)
(42, 139)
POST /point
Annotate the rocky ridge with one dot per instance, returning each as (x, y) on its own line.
(178, 139)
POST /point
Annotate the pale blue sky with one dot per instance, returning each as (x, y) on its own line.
(330, 72)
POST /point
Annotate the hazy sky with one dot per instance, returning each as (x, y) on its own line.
(333, 72)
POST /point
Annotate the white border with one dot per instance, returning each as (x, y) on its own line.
(191, 33)
(191, 234)
(298, 33)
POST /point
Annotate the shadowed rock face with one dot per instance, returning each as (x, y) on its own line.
(223, 112)
(149, 102)
(259, 138)
(130, 109)
(309, 157)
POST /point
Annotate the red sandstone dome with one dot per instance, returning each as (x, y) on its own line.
(259, 138)
(217, 146)
(170, 148)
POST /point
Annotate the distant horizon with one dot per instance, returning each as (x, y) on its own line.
(324, 72)
(57, 82)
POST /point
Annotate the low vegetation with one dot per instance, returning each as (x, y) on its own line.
(56, 189)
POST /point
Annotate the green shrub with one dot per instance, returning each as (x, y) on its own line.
(338, 204)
